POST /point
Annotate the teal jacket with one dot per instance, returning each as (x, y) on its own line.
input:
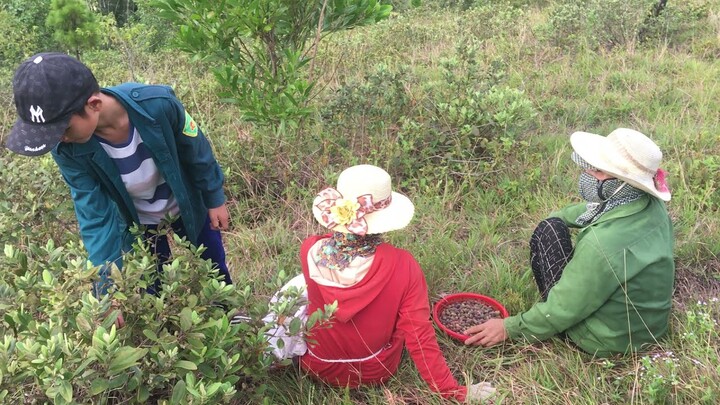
(104, 208)
(614, 295)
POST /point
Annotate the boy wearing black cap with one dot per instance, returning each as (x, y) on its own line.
(130, 154)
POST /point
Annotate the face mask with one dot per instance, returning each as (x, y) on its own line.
(597, 191)
(589, 187)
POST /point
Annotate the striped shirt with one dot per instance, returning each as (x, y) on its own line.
(150, 193)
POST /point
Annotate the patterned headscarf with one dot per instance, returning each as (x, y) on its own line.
(338, 251)
(602, 195)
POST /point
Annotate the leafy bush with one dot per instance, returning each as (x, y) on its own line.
(480, 102)
(155, 33)
(26, 205)
(610, 23)
(677, 23)
(15, 40)
(464, 5)
(377, 101)
(61, 345)
(402, 5)
(566, 23)
(597, 23)
(262, 49)
(23, 31)
(461, 5)
(452, 126)
(476, 114)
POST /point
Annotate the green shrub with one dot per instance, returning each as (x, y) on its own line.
(378, 100)
(461, 5)
(402, 5)
(597, 23)
(678, 23)
(60, 346)
(23, 31)
(464, 5)
(567, 23)
(16, 40)
(26, 205)
(154, 33)
(424, 133)
(262, 49)
(610, 23)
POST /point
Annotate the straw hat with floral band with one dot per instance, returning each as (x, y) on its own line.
(627, 155)
(363, 203)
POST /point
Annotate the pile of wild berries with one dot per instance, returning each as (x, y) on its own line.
(460, 315)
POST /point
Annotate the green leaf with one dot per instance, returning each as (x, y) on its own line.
(66, 390)
(82, 367)
(125, 358)
(213, 388)
(47, 277)
(295, 326)
(314, 317)
(187, 365)
(133, 382)
(83, 324)
(179, 393)
(190, 387)
(186, 319)
(9, 319)
(207, 371)
(150, 335)
(118, 381)
(109, 321)
(190, 379)
(143, 394)
(98, 385)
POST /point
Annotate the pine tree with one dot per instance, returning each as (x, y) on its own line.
(73, 24)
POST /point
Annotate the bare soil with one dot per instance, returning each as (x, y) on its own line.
(696, 282)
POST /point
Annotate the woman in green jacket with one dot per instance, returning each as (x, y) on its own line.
(612, 292)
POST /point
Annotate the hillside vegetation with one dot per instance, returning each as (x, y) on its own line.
(469, 106)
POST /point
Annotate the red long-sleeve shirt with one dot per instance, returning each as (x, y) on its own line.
(387, 309)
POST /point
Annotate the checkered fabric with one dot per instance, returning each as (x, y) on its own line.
(550, 251)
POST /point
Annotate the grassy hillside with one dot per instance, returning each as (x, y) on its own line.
(470, 111)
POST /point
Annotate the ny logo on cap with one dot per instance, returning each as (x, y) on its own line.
(36, 114)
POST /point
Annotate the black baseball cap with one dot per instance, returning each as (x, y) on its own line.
(48, 88)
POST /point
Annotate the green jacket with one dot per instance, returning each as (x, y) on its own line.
(614, 295)
(183, 156)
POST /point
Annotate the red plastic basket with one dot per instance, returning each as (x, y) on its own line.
(448, 299)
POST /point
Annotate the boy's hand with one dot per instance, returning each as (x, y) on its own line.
(486, 334)
(119, 321)
(219, 218)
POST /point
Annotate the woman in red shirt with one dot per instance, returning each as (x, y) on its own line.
(381, 293)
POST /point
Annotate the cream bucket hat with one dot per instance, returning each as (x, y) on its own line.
(363, 203)
(627, 155)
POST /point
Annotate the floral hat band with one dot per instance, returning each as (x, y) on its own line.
(336, 210)
(362, 203)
